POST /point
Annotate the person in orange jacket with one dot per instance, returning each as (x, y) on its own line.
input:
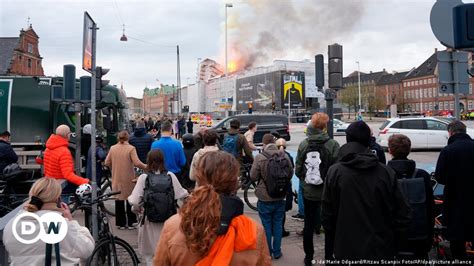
(58, 162)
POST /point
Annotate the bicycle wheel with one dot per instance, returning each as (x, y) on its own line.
(249, 195)
(107, 207)
(107, 254)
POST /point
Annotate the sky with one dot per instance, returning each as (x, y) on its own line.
(395, 35)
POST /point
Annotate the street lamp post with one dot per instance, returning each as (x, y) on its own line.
(360, 101)
(226, 6)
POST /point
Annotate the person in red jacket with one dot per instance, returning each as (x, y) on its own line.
(58, 162)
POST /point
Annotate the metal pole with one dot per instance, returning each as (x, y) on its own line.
(289, 106)
(456, 85)
(180, 102)
(95, 231)
(77, 109)
(360, 99)
(421, 100)
(330, 109)
(226, 40)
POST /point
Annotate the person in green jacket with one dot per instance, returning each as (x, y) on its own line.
(315, 155)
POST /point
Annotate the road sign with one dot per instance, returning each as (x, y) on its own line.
(441, 20)
(87, 43)
(452, 70)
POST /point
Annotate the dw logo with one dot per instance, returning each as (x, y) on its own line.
(51, 228)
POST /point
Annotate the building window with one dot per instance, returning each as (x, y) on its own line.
(29, 63)
(430, 93)
(469, 105)
(451, 105)
(30, 48)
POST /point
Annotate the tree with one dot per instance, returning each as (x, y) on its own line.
(349, 97)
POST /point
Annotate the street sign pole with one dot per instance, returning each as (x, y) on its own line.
(456, 86)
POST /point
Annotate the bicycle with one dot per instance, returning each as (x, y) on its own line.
(106, 187)
(108, 248)
(248, 186)
(9, 198)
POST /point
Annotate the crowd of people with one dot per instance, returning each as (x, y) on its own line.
(187, 211)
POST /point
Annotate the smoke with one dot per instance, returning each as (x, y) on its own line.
(263, 30)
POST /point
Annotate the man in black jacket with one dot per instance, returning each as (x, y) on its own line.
(363, 209)
(455, 170)
(399, 147)
(7, 155)
(141, 141)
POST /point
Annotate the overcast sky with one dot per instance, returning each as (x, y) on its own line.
(395, 35)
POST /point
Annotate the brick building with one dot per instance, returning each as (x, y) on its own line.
(20, 55)
(349, 95)
(389, 89)
(159, 100)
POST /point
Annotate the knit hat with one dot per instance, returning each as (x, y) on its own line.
(358, 132)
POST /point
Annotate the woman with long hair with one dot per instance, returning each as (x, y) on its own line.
(122, 158)
(149, 232)
(210, 228)
(44, 198)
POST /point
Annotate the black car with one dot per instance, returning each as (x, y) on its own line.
(266, 123)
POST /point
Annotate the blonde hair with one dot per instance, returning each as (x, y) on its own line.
(320, 120)
(123, 136)
(46, 189)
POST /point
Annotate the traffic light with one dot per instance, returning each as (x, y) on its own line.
(99, 74)
(69, 82)
(85, 85)
(335, 66)
(319, 65)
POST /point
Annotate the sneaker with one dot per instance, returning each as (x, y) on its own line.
(298, 217)
(285, 233)
(278, 256)
(122, 228)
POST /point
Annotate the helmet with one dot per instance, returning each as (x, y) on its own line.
(83, 190)
(188, 139)
(12, 168)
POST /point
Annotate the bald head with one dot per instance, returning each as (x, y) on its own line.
(63, 131)
(281, 143)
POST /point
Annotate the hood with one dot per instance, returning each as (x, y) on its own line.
(317, 134)
(271, 147)
(357, 156)
(458, 136)
(56, 141)
(402, 167)
(232, 206)
(139, 132)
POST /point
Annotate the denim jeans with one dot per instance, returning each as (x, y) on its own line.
(271, 214)
(300, 199)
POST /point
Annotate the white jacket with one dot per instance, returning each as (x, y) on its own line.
(78, 244)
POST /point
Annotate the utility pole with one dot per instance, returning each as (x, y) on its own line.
(178, 82)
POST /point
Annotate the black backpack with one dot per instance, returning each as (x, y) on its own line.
(276, 179)
(414, 190)
(317, 161)
(158, 197)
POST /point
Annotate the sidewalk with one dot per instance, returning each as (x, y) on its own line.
(292, 246)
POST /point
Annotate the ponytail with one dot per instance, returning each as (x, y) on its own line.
(201, 219)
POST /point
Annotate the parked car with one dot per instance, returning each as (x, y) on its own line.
(339, 127)
(266, 123)
(424, 132)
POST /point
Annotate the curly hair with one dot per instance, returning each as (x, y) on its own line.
(217, 172)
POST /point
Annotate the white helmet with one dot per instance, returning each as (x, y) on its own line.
(83, 189)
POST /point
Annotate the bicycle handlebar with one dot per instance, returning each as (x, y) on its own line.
(100, 198)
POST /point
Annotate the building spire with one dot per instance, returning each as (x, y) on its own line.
(28, 25)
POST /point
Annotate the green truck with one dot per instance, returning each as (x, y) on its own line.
(29, 113)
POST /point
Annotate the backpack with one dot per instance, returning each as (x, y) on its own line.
(414, 191)
(230, 144)
(158, 197)
(276, 179)
(317, 162)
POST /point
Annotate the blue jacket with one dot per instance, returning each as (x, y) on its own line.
(142, 142)
(7, 155)
(100, 156)
(173, 153)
